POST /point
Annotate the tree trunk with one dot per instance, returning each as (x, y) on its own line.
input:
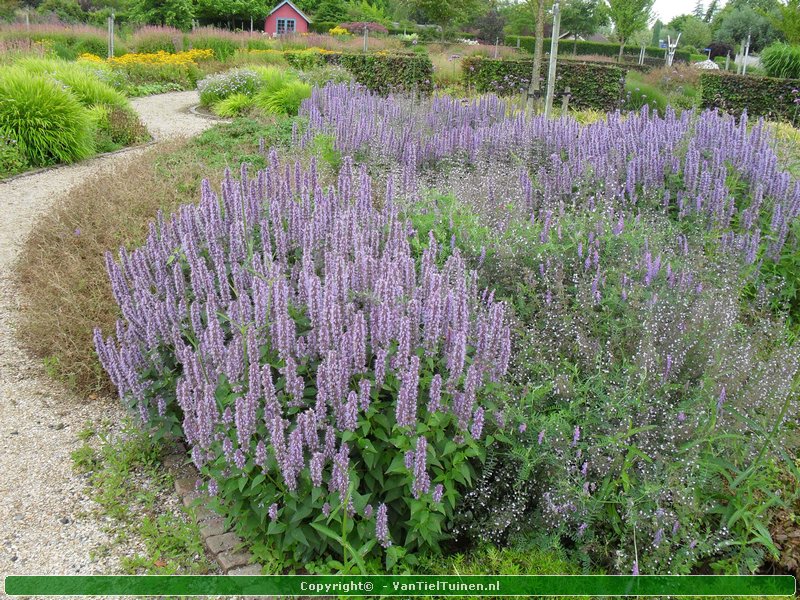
(575, 45)
(538, 50)
(621, 49)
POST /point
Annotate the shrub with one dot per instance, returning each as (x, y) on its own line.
(591, 86)
(385, 404)
(781, 60)
(759, 96)
(234, 106)
(47, 122)
(236, 81)
(285, 100)
(117, 127)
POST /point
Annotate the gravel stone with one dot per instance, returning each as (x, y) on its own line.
(37, 482)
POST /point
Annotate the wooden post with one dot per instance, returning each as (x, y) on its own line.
(551, 73)
(366, 39)
(728, 60)
(517, 42)
(746, 55)
(565, 101)
(111, 35)
(497, 41)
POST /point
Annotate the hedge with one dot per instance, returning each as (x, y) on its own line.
(591, 85)
(759, 96)
(321, 26)
(326, 26)
(379, 72)
(526, 42)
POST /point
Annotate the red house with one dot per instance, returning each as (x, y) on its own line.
(286, 18)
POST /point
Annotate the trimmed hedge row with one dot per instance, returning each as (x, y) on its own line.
(380, 73)
(759, 96)
(326, 26)
(591, 85)
(526, 42)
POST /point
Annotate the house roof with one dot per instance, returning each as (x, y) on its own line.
(297, 10)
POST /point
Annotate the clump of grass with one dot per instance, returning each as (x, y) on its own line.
(283, 101)
(639, 94)
(273, 78)
(46, 121)
(234, 106)
(781, 60)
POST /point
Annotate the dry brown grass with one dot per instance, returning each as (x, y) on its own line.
(61, 274)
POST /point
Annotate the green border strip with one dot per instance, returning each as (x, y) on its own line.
(401, 585)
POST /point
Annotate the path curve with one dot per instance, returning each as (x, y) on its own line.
(46, 521)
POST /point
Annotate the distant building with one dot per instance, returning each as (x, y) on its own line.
(286, 18)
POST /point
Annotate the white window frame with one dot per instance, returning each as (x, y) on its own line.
(286, 28)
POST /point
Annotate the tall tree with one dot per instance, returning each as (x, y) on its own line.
(712, 9)
(678, 22)
(657, 27)
(736, 24)
(787, 21)
(581, 18)
(446, 13)
(331, 11)
(696, 32)
(699, 11)
(490, 26)
(362, 10)
(176, 13)
(629, 16)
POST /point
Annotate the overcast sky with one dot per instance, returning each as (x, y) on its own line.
(667, 9)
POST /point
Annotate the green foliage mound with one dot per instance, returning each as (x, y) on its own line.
(221, 85)
(782, 60)
(285, 100)
(82, 81)
(47, 122)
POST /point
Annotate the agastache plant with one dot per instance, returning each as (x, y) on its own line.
(303, 349)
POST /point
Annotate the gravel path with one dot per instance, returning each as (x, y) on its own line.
(46, 521)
